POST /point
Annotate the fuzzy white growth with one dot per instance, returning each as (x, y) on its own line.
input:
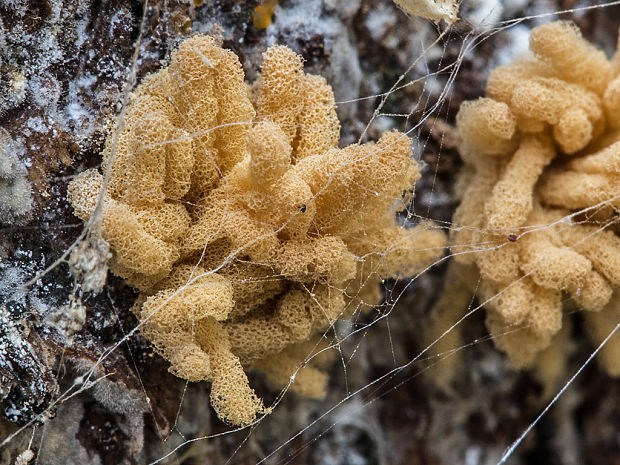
(484, 14)
(15, 190)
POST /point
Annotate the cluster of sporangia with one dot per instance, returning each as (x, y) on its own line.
(249, 233)
(244, 226)
(539, 214)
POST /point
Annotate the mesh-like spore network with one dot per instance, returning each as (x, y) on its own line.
(245, 227)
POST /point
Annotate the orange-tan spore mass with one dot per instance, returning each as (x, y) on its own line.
(245, 227)
(542, 154)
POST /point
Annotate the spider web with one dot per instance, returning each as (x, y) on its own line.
(380, 406)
